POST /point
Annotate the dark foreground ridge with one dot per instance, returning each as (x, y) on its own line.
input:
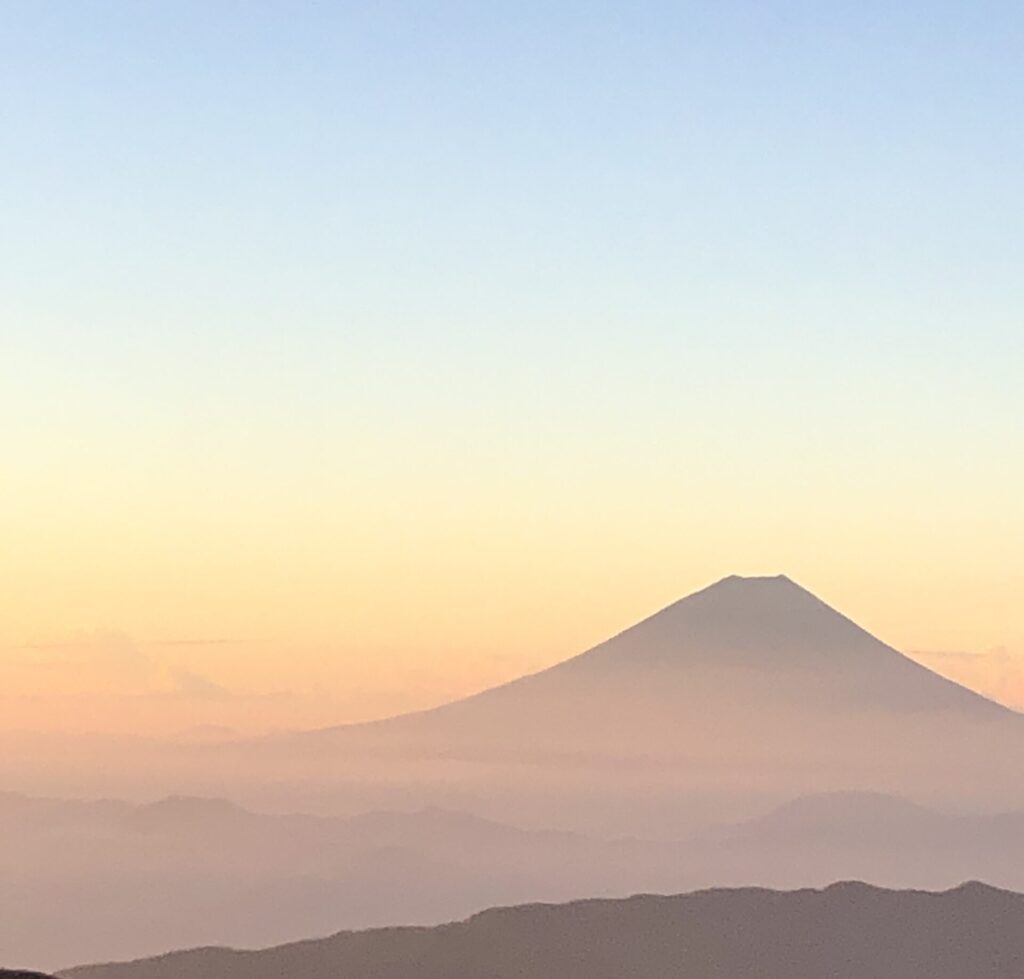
(19, 974)
(846, 931)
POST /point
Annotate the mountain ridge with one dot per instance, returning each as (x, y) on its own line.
(847, 930)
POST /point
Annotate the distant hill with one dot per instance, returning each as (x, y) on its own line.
(869, 820)
(846, 931)
(879, 838)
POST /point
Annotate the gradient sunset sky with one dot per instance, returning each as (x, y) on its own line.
(358, 355)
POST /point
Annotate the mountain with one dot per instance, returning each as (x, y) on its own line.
(754, 643)
(846, 931)
(748, 692)
(766, 635)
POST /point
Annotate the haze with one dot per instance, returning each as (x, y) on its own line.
(465, 455)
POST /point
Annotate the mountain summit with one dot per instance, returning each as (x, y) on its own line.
(750, 622)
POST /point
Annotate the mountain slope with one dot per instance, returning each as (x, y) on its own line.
(847, 931)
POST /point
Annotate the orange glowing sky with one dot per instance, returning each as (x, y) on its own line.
(285, 650)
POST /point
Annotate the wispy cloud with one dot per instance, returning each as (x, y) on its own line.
(195, 686)
(77, 641)
(109, 662)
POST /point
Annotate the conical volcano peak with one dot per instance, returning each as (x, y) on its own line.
(763, 621)
(774, 640)
(756, 601)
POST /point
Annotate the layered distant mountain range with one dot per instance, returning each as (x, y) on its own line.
(184, 872)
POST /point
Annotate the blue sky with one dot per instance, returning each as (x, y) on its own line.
(574, 169)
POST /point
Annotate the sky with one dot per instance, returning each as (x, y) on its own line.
(357, 356)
